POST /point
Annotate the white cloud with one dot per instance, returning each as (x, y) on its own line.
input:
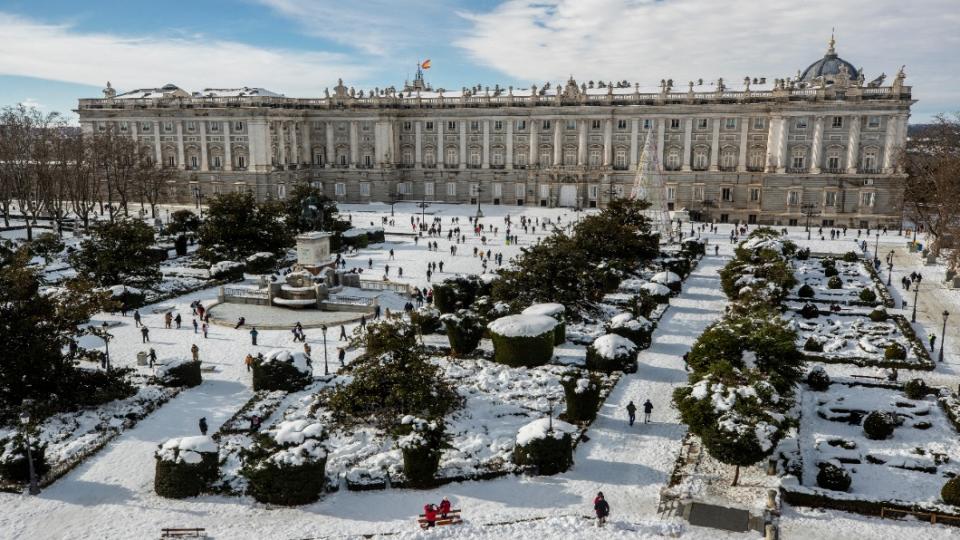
(31, 103)
(648, 40)
(59, 52)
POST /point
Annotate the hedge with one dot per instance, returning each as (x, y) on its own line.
(597, 362)
(560, 331)
(879, 425)
(176, 478)
(522, 351)
(16, 468)
(286, 485)
(456, 293)
(185, 374)
(426, 320)
(833, 477)
(278, 375)
(548, 455)
(950, 493)
(583, 398)
(464, 330)
(818, 380)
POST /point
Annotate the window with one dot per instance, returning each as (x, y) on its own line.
(474, 125)
(238, 126)
(593, 191)
(367, 160)
(145, 126)
(407, 126)
(429, 126)
(519, 191)
(868, 198)
(870, 158)
(123, 126)
(318, 159)
(646, 123)
(755, 195)
(498, 190)
(544, 191)
(521, 125)
(545, 158)
(545, 124)
(216, 162)
(429, 158)
(700, 158)
(873, 122)
(801, 123)
(728, 158)
(474, 157)
(799, 158)
(215, 127)
(726, 194)
(168, 126)
(241, 161)
(194, 162)
(570, 156)
(620, 159)
(830, 198)
(833, 159)
(698, 193)
(671, 193)
(340, 189)
(621, 124)
(701, 123)
(673, 159)
(191, 126)
(571, 125)
(343, 160)
(451, 189)
(674, 123)
(497, 157)
(452, 156)
(171, 161)
(836, 122)
(594, 158)
(451, 126)
(756, 158)
(793, 198)
(498, 125)
(407, 158)
(595, 124)
(281, 191)
(730, 123)
(520, 159)
(364, 189)
(401, 188)
(759, 123)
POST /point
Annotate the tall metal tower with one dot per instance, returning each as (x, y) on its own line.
(648, 184)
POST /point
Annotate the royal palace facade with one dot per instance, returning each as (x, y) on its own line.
(821, 146)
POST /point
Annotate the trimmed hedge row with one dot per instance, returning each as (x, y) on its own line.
(523, 351)
(179, 480)
(286, 485)
(549, 455)
(582, 406)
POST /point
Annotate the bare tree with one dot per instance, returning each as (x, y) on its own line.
(62, 176)
(151, 180)
(116, 164)
(84, 186)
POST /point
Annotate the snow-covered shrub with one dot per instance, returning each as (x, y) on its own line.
(680, 266)
(612, 352)
(179, 371)
(916, 389)
(806, 291)
(670, 279)
(385, 335)
(14, 466)
(879, 425)
(464, 330)
(813, 344)
(895, 351)
(693, 247)
(421, 449)
(810, 311)
(523, 340)
(128, 298)
(281, 370)
(426, 319)
(850, 257)
(185, 467)
(817, 379)
(262, 262)
(227, 270)
(833, 477)
(802, 254)
(637, 329)
(835, 282)
(547, 451)
(556, 311)
(287, 464)
(651, 295)
(830, 272)
(879, 315)
(950, 493)
(867, 295)
(582, 392)
(456, 293)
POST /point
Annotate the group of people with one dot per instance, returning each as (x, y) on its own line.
(432, 512)
(632, 412)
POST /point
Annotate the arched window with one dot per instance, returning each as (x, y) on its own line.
(407, 157)
(475, 154)
(546, 156)
(869, 160)
(833, 158)
(453, 157)
(728, 158)
(673, 159)
(756, 158)
(798, 158)
(620, 159)
(569, 156)
(700, 157)
(594, 160)
(429, 157)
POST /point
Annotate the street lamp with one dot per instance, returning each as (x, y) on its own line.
(25, 421)
(198, 197)
(890, 269)
(876, 247)
(916, 293)
(478, 191)
(943, 335)
(326, 368)
(106, 337)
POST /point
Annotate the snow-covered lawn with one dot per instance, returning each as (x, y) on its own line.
(855, 339)
(854, 276)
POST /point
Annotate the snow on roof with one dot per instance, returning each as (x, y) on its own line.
(187, 449)
(296, 359)
(523, 325)
(538, 429)
(611, 346)
(665, 278)
(236, 92)
(549, 309)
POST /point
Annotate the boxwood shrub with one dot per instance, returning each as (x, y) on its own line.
(867, 295)
(582, 393)
(612, 352)
(636, 329)
(286, 484)
(833, 477)
(185, 467)
(549, 454)
(879, 315)
(464, 330)
(950, 493)
(179, 372)
(813, 345)
(281, 370)
(693, 247)
(806, 291)
(818, 379)
(879, 425)
(456, 293)
(830, 271)
(916, 389)
(557, 311)
(426, 319)
(895, 351)
(523, 340)
(421, 449)
(14, 466)
(810, 311)
(835, 282)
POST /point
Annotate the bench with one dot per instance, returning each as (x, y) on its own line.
(196, 532)
(452, 518)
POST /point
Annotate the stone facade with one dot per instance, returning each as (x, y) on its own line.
(823, 144)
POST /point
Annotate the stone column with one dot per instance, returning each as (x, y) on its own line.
(227, 151)
(816, 151)
(418, 144)
(331, 150)
(772, 137)
(355, 143)
(853, 145)
(557, 143)
(902, 120)
(889, 143)
(661, 134)
(534, 146)
(307, 146)
(508, 159)
(782, 145)
(715, 145)
(156, 143)
(259, 144)
(441, 148)
(181, 164)
(463, 144)
(582, 143)
(744, 142)
(634, 132)
(485, 163)
(203, 146)
(687, 140)
(607, 141)
(294, 144)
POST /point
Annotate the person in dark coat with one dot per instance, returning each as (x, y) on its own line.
(145, 333)
(647, 410)
(342, 354)
(363, 322)
(253, 335)
(632, 412)
(343, 333)
(203, 426)
(178, 319)
(240, 323)
(153, 357)
(601, 508)
(136, 318)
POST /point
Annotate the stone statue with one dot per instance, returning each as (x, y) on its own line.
(878, 81)
(311, 213)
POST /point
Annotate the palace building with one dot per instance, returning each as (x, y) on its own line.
(821, 145)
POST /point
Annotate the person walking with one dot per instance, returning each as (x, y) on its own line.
(253, 335)
(195, 326)
(601, 508)
(631, 412)
(153, 357)
(203, 426)
(145, 334)
(686, 361)
(136, 318)
(647, 410)
(248, 361)
(933, 339)
(205, 327)
(240, 322)
(341, 355)
(168, 320)
(376, 312)
(343, 333)
(363, 322)
(195, 352)
(178, 319)
(306, 349)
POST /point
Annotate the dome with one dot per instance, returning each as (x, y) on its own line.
(829, 67)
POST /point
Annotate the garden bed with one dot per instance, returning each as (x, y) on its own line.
(855, 277)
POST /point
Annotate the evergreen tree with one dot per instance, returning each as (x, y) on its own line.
(118, 253)
(236, 226)
(306, 208)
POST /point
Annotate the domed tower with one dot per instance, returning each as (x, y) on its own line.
(830, 68)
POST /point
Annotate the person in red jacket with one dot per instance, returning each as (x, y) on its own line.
(444, 507)
(430, 514)
(602, 509)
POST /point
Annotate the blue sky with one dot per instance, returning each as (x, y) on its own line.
(55, 51)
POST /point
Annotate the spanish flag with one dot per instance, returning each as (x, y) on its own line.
(425, 64)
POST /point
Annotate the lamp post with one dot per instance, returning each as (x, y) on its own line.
(890, 269)
(916, 293)
(106, 337)
(25, 421)
(478, 191)
(943, 334)
(876, 248)
(198, 197)
(326, 368)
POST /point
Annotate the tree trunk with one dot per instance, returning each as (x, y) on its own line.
(736, 475)
(29, 229)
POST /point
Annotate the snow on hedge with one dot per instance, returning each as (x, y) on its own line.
(632, 285)
(296, 431)
(539, 429)
(223, 267)
(665, 278)
(761, 242)
(297, 359)
(549, 309)
(170, 364)
(656, 289)
(116, 291)
(187, 449)
(522, 325)
(630, 322)
(361, 231)
(612, 346)
(259, 255)
(301, 441)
